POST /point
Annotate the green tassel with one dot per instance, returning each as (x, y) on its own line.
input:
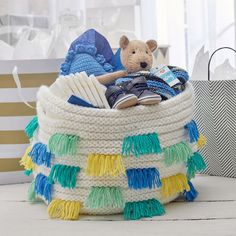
(146, 208)
(31, 192)
(31, 127)
(195, 163)
(63, 144)
(28, 172)
(63, 174)
(177, 153)
(101, 197)
(141, 144)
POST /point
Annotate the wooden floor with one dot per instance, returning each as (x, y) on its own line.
(212, 214)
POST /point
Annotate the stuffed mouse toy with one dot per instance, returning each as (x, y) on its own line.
(135, 56)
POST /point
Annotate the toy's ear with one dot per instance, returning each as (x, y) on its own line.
(152, 44)
(124, 41)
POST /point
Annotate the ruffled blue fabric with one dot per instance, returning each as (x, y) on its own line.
(91, 53)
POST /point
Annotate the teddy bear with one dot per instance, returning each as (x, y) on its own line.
(129, 90)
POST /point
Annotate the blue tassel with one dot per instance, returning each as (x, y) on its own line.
(143, 178)
(43, 187)
(191, 194)
(192, 131)
(40, 155)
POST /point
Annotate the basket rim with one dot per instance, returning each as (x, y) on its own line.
(140, 108)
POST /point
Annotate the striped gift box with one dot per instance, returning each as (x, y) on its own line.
(15, 115)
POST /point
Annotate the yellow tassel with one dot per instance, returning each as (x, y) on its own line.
(105, 164)
(201, 141)
(64, 209)
(174, 184)
(26, 160)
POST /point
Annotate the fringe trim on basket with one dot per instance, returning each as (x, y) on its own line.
(195, 163)
(105, 165)
(191, 195)
(146, 208)
(177, 153)
(43, 187)
(40, 155)
(64, 209)
(31, 127)
(63, 174)
(141, 144)
(101, 197)
(201, 141)
(174, 184)
(28, 172)
(31, 192)
(192, 131)
(63, 144)
(27, 162)
(143, 178)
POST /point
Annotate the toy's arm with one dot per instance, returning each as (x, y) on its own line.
(110, 77)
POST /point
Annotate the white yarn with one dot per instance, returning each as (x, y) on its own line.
(114, 146)
(84, 183)
(79, 84)
(102, 131)
(45, 95)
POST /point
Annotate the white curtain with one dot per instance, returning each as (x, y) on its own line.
(187, 25)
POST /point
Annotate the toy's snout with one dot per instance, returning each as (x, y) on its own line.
(143, 64)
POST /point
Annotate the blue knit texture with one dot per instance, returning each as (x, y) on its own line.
(161, 86)
(43, 187)
(180, 74)
(85, 62)
(40, 155)
(143, 178)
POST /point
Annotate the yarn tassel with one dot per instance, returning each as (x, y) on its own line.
(177, 153)
(174, 184)
(104, 165)
(191, 194)
(27, 162)
(40, 155)
(146, 208)
(143, 178)
(141, 144)
(31, 192)
(195, 164)
(31, 127)
(192, 131)
(101, 197)
(201, 141)
(63, 174)
(63, 144)
(43, 187)
(28, 172)
(64, 209)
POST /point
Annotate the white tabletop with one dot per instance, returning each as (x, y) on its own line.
(213, 213)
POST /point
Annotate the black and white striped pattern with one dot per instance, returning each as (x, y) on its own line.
(215, 114)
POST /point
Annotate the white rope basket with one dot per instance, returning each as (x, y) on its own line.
(102, 159)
